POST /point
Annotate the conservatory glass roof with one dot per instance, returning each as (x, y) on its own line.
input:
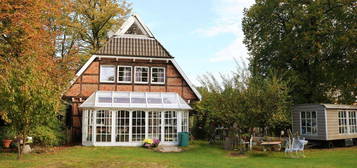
(143, 100)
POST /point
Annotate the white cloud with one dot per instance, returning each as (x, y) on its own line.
(235, 50)
(229, 15)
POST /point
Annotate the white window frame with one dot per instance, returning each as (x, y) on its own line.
(112, 120)
(100, 75)
(131, 74)
(135, 74)
(352, 125)
(309, 134)
(106, 119)
(343, 119)
(139, 135)
(348, 124)
(184, 121)
(171, 122)
(122, 123)
(153, 78)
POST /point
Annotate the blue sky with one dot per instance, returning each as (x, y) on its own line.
(204, 36)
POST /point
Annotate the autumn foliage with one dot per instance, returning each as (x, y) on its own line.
(42, 44)
(32, 77)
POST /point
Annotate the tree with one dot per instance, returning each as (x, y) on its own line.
(312, 42)
(31, 77)
(22, 28)
(96, 18)
(267, 104)
(243, 102)
(29, 97)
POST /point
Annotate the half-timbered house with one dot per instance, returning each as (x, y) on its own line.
(131, 89)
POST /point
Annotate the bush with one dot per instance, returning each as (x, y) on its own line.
(7, 133)
(46, 136)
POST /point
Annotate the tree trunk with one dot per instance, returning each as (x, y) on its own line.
(20, 147)
(19, 150)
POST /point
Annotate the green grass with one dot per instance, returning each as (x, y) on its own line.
(199, 154)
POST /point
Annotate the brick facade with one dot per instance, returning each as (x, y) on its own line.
(86, 84)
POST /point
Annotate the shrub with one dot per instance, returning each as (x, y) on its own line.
(7, 133)
(46, 136)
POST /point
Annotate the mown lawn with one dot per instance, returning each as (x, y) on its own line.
(199, 154)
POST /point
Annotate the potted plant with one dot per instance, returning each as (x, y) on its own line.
(149, 143)
(7, 137)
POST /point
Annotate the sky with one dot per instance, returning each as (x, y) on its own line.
(204, 36)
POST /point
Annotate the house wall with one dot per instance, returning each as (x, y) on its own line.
(321, 128)
(332, 124)
(89, 82)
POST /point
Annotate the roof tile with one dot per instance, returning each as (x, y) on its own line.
(139, 47)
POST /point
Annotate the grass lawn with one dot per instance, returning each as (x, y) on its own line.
(199, 154)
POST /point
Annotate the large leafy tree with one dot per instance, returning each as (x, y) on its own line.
(85, 25)
(31, 77)
(313, 43)
(96, 18)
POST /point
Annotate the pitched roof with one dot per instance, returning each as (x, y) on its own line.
(131, 46)
(134, 39)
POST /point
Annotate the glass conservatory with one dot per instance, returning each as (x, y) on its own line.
(127, 118)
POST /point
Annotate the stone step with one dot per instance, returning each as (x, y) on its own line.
(167, 149)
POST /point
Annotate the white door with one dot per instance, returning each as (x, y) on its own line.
(169, 127)
(103, 126)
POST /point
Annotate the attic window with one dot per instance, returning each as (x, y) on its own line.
(134, 29)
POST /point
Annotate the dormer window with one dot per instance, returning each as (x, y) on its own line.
(141, 74)
(124, 74)
(107, 73)
(158, 75)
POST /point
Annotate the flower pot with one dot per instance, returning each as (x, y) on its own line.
(6, 143)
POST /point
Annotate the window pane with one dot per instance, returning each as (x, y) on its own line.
(352, 122)
(313, 114)
(303, 130)
(138, 124)
(303, 122)
(104, 126)
(104, 99)
(342, 122)
(308, 130)
(154, 101)
(313, 123)
(107, 73)
(121, 100)
(314, 131)
(308, 122)
(138, 100)
(124, 74)
(308, 115)
(141, 74)
(158, 75)
(302, 114)
(170, 126)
